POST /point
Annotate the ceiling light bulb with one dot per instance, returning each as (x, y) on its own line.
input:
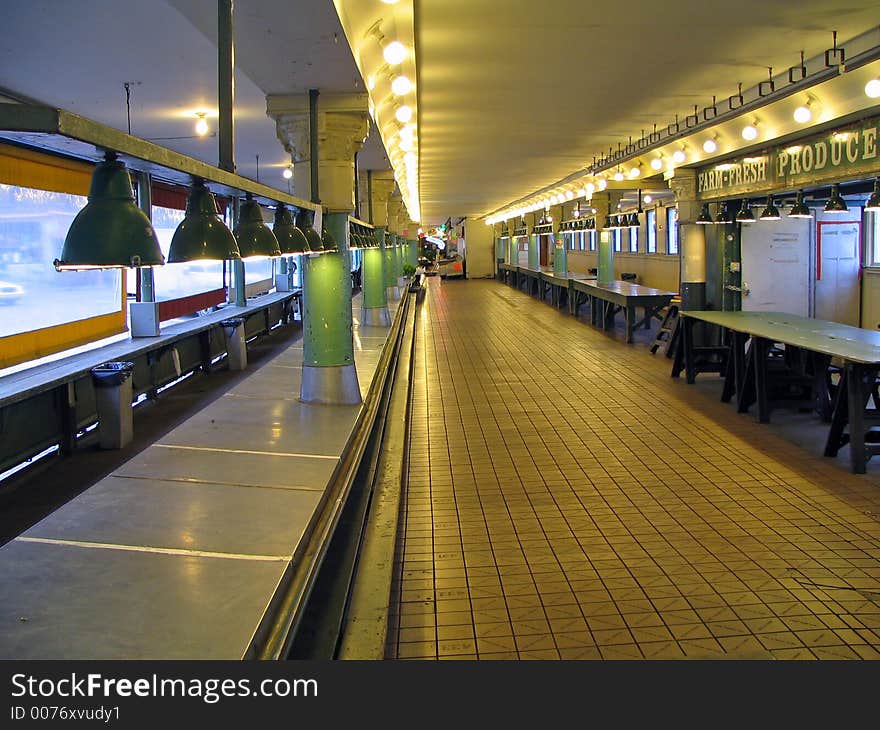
(603, 183)
(394, 53)
(678, 156)
(657, 163)
(390, 2)
(634, 172)
(803, 114)
(201, 125)
(569, 195)
(409, 158)
(403, 114)
(710, 146)
(872, 89)
(406, 145)
(750, 132)
(648, 199)
(401, 85)
(590, 188)
(287, 173)
(618, 176)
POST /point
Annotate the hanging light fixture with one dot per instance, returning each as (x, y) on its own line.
(800, 210)
(723, 216)
(750, 132)
(770, 212)
(835, 204)
(110, 231)
(330, 245)
(705, 217)
(201, 124)
(316, 245)
(874, 201)
(291, 240)
(255, 239)
(202, 235)
(744, 214)
(287, 172)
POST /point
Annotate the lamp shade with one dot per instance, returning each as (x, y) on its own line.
(835, 204)
(202, 235)
(291, 240)
(723, 214)
(110, 231)
(770, 212)
(705, 217)
(330, 245)
(255, 240)
(744, 214)
(800, 210)
(355, 241)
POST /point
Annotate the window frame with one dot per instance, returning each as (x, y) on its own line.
(673, 233)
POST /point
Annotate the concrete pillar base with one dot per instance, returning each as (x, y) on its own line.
(375, 317)
(392, 293)
(332, 385)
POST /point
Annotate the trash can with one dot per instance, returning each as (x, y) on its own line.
(236, 344)
(112, 382)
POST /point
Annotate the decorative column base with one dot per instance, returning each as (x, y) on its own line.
(375, 317)
(332, 385)
(392, 293)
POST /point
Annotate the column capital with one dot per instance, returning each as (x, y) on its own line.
(382, 185)
(684, 185)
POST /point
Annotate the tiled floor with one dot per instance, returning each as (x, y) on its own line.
(568, 499)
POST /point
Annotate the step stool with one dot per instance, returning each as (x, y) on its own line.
(667, 335)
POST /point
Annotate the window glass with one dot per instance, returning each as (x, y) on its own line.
(616, 238)
(592, 237)
(651, 224)
(33, 225)
(873, 232)
(672, 231)
(633, 240)
(582, 238)
(173, 281)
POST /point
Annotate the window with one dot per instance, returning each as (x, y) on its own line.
(616, 237)
(651, 224)
(633, 240)
(173, 281)
(672, 231)
(592, 240)
(33, 225)
(582, 240)
(872, 230)
(571, 241)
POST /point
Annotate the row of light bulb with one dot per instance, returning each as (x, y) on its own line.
(803, 114)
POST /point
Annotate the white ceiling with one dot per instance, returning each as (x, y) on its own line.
(77, 55)
(515, 95)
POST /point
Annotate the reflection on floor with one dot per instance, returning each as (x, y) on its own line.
(568, 499)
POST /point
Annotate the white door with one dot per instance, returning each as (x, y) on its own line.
(837, 272)
(776, 266)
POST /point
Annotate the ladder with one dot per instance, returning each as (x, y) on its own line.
(668, 333)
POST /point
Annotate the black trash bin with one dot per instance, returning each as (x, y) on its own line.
(112, 383)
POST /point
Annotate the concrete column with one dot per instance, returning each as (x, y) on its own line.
(560, 259)
(512, 244)
(388, 244)
(343, 123)
(374, 302)
(328, 374)
(692, 240)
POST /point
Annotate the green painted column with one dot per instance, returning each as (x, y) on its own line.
(560, 260)
(413, 252)
(605, 273)
(534, 255)
(399, 261)
(374, 303)
(329, 375)
(388, 252)
(513, 251)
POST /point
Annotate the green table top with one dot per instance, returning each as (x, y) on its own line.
(817, 335)
(627, 289)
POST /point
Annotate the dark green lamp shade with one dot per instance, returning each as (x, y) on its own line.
(354, 241)
(255, 240)
(744, 214)
(770, 212)
(800, 210)
(835, 204)
(202, 235)
(705, 217)
(723, 214)
(290, 238)
(316, 245)
(330, 245)
(110, 231)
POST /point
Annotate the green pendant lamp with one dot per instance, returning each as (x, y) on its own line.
(800, 210)
(110, 231)
(835, 204)
(770, 212)
(330, 245)
(874, 200)
(723, 217)
(202, 235)
(290, 238)
(744, 214)
(316, 245)
(255, 239)
(705, 217)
